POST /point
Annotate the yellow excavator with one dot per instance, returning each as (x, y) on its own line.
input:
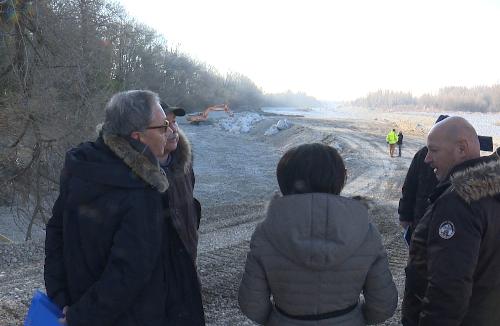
(198, 117)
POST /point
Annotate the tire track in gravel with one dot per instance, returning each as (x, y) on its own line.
(371, 171)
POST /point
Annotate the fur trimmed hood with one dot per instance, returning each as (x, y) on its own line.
(183, 155)
(151, 173)
(479, 181)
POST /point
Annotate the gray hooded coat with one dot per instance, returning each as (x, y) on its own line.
(314, 254)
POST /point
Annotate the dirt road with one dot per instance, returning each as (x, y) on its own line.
(242, 168)
(235, 177)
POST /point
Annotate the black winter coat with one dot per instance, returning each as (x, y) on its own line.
(495, 155)
(453, 274)
(112, 254)
(419, 183)
(185, 210)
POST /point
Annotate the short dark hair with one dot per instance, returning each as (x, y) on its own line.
(311, 168)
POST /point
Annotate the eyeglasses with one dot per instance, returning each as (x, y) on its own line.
(164, 127)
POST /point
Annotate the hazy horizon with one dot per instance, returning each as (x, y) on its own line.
(336, 51)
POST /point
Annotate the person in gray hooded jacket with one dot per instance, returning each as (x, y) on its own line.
(316, 251)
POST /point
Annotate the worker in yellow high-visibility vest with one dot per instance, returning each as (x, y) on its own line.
(392, 139)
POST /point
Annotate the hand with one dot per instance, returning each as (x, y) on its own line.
(404, 224)
(62, 320)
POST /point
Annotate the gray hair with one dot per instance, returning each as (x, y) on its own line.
(129, 111)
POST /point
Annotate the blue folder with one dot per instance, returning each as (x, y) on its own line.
(42, 312)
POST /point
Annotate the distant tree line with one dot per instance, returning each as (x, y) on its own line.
(291, 99)
(475, 99)
(60, 61)
(386, 98)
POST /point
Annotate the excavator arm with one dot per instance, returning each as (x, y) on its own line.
(203, 115)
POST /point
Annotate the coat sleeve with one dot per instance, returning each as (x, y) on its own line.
(406, 209)
(196, 202)
(452, 252)
(54, 270)
(379, 291)
(132, 259)
(254, 293)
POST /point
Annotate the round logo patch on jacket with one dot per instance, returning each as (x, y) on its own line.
(446, 230)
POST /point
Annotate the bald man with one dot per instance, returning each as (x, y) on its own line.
(453, 272)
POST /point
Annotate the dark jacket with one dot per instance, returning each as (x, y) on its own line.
(400, 138)
(112, 254)
(495, 155)
(315, 253)
(184, 208)
(453, 274)
(419, 183)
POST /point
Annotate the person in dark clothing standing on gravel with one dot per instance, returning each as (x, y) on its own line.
(400, 143)
(452, 276)
(177, 162)
(112, 255)
(419, 183)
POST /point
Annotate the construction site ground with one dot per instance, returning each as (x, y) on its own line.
(235, 178)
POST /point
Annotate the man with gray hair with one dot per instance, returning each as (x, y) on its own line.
(453, 272)
(111, 253)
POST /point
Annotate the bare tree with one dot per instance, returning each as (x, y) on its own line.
(60, 60)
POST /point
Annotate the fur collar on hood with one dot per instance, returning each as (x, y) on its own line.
(479, 181)
(152, 174)
(183, 156)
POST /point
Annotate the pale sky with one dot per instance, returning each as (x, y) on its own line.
(336, 50)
